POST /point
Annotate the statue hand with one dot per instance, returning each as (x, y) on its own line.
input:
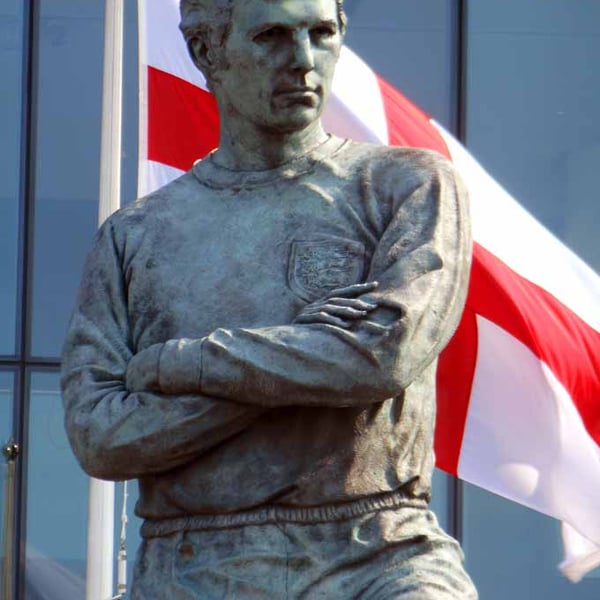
(340, 307)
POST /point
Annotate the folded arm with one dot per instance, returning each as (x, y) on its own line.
(115, 433)
(421, 265)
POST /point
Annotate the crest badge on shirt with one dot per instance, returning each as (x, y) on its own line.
(318, 266)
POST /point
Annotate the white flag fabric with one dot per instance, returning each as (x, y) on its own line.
(519, 384)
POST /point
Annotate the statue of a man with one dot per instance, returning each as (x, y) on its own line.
(256, 342)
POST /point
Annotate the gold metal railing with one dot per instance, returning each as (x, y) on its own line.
(10, 452)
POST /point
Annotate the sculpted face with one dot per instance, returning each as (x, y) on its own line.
(277, 62)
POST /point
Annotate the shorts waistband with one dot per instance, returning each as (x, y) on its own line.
(152, 528)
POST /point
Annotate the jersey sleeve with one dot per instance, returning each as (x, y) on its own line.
(117, 434)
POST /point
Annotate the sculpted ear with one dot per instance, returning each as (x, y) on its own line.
(202, 55)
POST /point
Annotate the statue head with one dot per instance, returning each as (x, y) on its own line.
(266, 58)
(211, 20)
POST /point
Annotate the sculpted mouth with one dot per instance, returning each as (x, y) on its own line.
(296, 90)
(308, 96)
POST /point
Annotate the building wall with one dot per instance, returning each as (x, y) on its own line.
(518, 81)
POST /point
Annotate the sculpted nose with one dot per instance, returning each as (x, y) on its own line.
(303, 58)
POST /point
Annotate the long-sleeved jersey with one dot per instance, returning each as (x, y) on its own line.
(233, 407)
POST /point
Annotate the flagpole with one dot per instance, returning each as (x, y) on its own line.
(100, 547)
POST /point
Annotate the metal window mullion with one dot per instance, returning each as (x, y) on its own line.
(458, 65)
(17, 363)
(462, 41)
(26, 206)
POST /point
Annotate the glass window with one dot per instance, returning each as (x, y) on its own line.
(439, 497)
(6, 404)
(533, 111)
(533, 119)
(57, 499)
(67, 163)
(513, 552)
(68, 154)
(11, 42)
(410, 44)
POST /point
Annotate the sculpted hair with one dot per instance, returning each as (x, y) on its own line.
(211, 19)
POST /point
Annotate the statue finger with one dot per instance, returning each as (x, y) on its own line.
(356, 289)
(353, 311)
(356, 303)
(314, 308)
(321, 317)
(345, 312)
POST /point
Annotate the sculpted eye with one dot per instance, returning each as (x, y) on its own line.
(270, 35)
(322, 32)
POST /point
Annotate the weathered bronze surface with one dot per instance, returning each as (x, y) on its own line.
(256, 342)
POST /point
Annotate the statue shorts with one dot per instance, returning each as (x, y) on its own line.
(383, 555)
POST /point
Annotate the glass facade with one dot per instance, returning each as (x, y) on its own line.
(532, 109)
(520, 80)
(532, 118)
(512, 552)
(69, 85)
(57, 497)
(69, 55)
(11, 42)
(413, 46)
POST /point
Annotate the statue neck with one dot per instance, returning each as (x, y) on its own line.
(248, 148)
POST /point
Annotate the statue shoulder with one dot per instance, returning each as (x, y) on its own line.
(399, 157)
(159, 204)
(387, 176)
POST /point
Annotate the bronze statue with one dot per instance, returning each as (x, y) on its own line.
(256, 342)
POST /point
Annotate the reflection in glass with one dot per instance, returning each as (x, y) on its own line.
(533, 120)
(533, 111)
(70, 80)
(57, 493)
(68, 128)
(410, 44)
(11, 27)
(439, 497)
(503, 537)
(68, 154)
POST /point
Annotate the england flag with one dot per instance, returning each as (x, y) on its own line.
(519, 384)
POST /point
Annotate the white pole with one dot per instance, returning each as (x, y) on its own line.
(122, 555)
(99, 574)
(101, 517)
(112, 101)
